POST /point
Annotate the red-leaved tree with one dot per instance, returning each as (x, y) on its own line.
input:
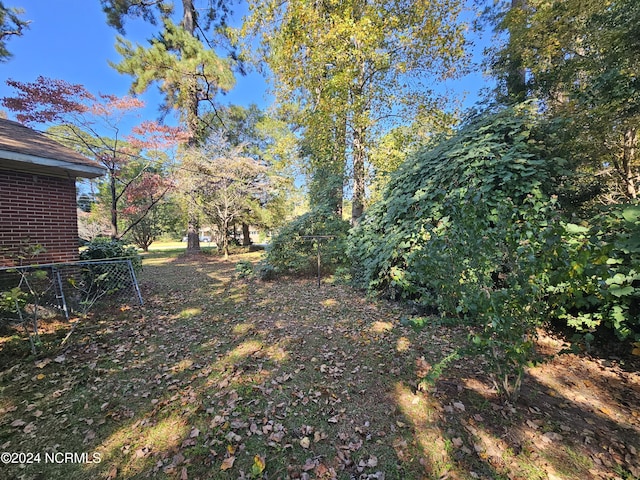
(137, 178)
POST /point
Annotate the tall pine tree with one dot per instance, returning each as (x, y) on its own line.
(180, 59)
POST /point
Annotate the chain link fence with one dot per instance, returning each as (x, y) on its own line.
(68, 288)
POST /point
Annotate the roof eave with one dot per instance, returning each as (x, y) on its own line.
(76, 169)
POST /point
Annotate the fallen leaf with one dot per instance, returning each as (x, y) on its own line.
(178, 459)
(142, 452)
(43, 363)
(422, 367)
(18, 423)
(30, 428)
(276, 437)
(259, 464)
(113, 473)
(183, 474)
(400, 446)
(189, 442)
(305, 442)
(309, 465)
(227, 463)
(90, 435)
(551, 437)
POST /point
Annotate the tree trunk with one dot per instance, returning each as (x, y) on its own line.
(188, 16)
(193, 234)
(628, 156)
(225, 239)
(360, 121)
(340, 160)
(516, 74)
(191, 114)
(359, 155)
(114, 205)
(246, 235)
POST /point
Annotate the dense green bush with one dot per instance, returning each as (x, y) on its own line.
(99, 279)
(491, 163)
(107, 248)
(289, 252)
(471, 228)
(597, 280)
(244, 269)
(265, 271)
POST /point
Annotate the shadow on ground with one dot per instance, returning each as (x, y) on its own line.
(216, 377)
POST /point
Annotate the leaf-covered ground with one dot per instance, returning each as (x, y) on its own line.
(218, 377)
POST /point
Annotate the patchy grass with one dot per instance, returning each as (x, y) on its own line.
(216, 377)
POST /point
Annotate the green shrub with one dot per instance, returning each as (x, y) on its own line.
(471, 228)
(493, 162)
(289, 252)
(465, 228)
(244, 269)
(107, 248)
(597, 282)
(105, 278)
(265, 271)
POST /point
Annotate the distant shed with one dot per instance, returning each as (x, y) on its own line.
(38, 193)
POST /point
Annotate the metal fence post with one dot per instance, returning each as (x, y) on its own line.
(318, 238)
(60, 292)
(134, 280)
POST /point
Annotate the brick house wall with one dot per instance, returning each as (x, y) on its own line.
(39, 208)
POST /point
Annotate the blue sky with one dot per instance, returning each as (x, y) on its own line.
(70, 40)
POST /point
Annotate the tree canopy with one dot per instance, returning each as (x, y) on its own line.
(91, 124)
(11, 25)
(224, 183)
(581, 59)
(355, 68)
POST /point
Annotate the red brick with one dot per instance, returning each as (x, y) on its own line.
(41, 208)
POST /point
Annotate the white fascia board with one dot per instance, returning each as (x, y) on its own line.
(86, 171)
